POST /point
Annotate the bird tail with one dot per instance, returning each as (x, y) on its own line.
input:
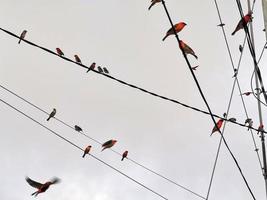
(150, 7)
(122, 158)
(19, 41)
(165, 37)
(103, 149)
(48, 118)
(84, 155)
(233, 32)
(88, 70)
(195, 56)
(35, 193)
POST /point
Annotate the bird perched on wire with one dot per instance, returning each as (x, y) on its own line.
(41, 187)
(87, 150)
(105, 70)
(92, 67)
(187, 49)
(22, 36)
(100, 69)
(247, 93)
(124, 155)
(178, 27)
(240, 48)
(243, 22)
(221, 25)
(235, 73)
(153, 2)
(249, 122)
(195, 68)
(232, 119)
(59, 52)
(77, 59)
(52, 114)
(77, 128)
(108, 144)
(217, 127)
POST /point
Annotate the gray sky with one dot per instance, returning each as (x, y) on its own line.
(126, 38)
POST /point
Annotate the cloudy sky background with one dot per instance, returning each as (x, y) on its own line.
(126, 38)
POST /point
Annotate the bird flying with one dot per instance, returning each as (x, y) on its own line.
(22, 36)
(217, 128)
(87, 150)
(243, 22)
(77, 128)
(124, 155)
(108, 144)
(59, 52)
(178, 27)
(41, 187)
(187, 49)
(52, 114)
(77, 59)
(153, 2)
(92, 67)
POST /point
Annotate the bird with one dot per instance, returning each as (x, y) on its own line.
(92, 67)
(247, 93)
(195, 68)
(108, 144)
(77, 128)
(177, 27)
(235, 73)
(187, 49)
(42, 187)
(221, 24)
(87, 150)
(77, 59)
(243, 22)
(217, 127)
(52, 114)
(105, 70)
(22, 36)
(153, 2)
(249, 122)
(124, 155)
(100, 69)
(240, 48)
(258, 90)
(232, 119)
(59, 52)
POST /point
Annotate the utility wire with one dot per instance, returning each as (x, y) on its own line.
(76, 146)
(125, 83)
(204, 99)
(244, 106)
(100, 143)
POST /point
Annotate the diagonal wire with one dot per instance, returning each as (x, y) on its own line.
(204, 99)
(125, 83)
(98, 142)
(76, 146)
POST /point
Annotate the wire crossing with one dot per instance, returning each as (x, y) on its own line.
(129, 84)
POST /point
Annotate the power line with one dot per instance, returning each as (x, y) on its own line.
(127, 84)
(76, 146)
(204, 99)
(98, 142)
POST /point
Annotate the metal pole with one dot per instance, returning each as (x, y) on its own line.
(264, 170)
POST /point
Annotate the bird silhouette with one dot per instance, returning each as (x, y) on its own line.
(59, 52)
(77, 128)
(124, 155)
(92, 67)
(52, 114)
(22, 36)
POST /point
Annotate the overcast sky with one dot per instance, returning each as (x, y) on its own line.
(127, 39)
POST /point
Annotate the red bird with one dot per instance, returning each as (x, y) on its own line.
(219, 125)
(178, 27)
(41, 187)
(124, 155)
(77, 59)
(59, 52)
(108, 144)
(243, 22)
(87, 150)
(186, 48)
(153, 2)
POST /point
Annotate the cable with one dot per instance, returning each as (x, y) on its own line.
(204, 99)
(125, 83)
(100, 143)
(76, 146)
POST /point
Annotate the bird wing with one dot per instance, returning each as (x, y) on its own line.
(33, 183)
(107, 143)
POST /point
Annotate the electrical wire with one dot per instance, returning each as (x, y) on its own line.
(127, 84)
(100, 143)
(76, 146)
(205, 101)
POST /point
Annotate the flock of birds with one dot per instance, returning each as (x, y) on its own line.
(42, 187)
